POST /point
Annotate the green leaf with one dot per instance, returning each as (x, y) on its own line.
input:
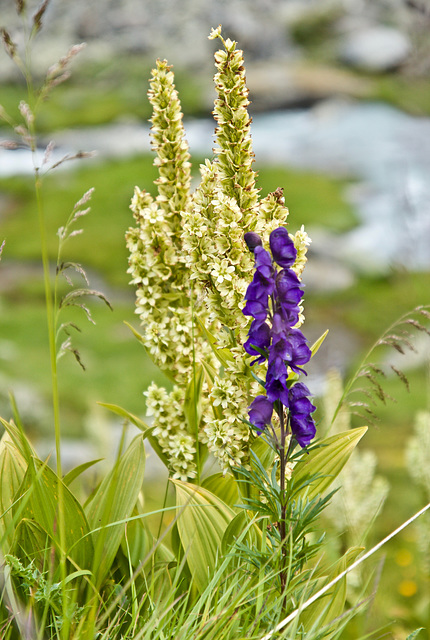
(202, 521)
(135, 333)
(113, 504)
(43, 504)
(192, 402)
(210, 371)
(30, 541)
(13, 467)
(329, 607)
(316, 470)
(244, 529)
(139, 542)
(414, 634)
(19, 439)
(168, 373)
(76, 472)
(263, 451)
(140, 424)
(223, 355)
(316, 345)
(224, 487)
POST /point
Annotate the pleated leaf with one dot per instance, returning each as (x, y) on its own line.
(330, 606)
(42, 506)
(113, 504)
(224, 487)
(13, 467)
(202, 521)
(243, 529)
(317, 469)
(30, 542)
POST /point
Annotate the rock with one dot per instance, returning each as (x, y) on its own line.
(275, 84)
(375, 48)
(324, 274)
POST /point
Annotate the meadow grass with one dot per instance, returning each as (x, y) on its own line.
(365, 309)
(318, 198)
(224, 574)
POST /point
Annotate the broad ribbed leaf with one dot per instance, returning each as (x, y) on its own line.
(330, 606)
(42, 506)
(30, 542)
(317, 469)
(202, 521)
(113, 504)
(13, 467)
(224, 487)
(139, 542)
(243, 529)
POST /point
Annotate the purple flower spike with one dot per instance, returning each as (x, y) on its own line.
(260, 412)
(273, 300)
(282, 247)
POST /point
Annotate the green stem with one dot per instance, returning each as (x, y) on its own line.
(196, 426)
(166, 492)
(50, 301)
(282, 523)
(51, 321)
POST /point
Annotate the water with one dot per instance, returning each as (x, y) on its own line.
(383, 150)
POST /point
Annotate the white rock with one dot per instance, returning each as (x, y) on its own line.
(376, 48)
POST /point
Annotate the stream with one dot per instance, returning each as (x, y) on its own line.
(383, 151)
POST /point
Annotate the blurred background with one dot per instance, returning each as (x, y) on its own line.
(340, 99)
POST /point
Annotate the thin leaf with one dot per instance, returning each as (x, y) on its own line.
(140, 424)
(192, 402)
(317, 344)
(415, 633)
(76, 472)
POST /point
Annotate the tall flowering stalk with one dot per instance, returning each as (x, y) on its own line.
(191, 266)
(158, 269)
(273, 301)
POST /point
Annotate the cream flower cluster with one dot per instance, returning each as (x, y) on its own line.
(167, 410)
(187, 245)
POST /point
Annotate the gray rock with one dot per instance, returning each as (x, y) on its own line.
(375, 48)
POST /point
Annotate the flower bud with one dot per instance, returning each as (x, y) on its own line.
(252, 240)
(282, 247)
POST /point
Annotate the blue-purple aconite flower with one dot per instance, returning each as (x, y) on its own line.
(272, 300)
